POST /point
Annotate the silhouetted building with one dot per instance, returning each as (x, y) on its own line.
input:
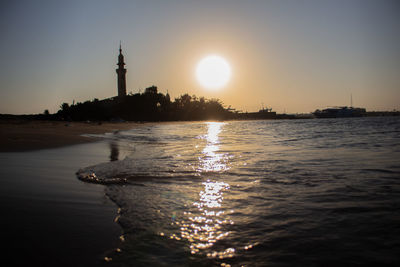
(152, 90)
(121, 71)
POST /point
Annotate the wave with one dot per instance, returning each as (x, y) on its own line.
(212, 193)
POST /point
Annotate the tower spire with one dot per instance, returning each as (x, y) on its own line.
(121, 72)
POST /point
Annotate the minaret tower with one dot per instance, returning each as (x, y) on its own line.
(121, 71)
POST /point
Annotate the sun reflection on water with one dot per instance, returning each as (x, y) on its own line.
(211, 160)
(205, 224)
(206, 220)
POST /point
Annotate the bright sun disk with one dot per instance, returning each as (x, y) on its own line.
(213, 72)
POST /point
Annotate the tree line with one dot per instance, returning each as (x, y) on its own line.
(148, 106)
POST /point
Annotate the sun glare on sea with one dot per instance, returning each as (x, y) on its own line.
(213, 72)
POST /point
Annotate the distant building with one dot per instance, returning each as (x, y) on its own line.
(121, 72)
(151, 90)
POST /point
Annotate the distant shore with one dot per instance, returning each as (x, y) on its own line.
(32, 132)
(25, 135)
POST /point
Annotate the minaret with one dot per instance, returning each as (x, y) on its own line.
(121, 71)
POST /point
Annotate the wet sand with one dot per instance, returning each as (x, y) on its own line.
(20, 135)
(49, 217)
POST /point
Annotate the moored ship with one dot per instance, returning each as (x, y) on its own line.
(340, 112)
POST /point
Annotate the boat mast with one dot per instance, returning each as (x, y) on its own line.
(351, 100)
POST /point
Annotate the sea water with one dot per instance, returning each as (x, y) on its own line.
(319, 192)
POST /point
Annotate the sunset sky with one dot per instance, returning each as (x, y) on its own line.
(293, 56)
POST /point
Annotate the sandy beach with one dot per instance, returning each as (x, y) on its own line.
(21, 135)
(53, 219)
(50, 217)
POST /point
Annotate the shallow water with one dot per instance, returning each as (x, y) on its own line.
(256, 193)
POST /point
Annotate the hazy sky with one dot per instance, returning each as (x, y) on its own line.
(289, 55)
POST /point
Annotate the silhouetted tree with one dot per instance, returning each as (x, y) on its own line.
(64, 106)
(148, 106)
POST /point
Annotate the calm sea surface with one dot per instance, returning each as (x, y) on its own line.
(323, 192)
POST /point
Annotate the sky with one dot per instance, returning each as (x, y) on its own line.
(291, 56)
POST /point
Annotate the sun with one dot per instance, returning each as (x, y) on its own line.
(213, 72)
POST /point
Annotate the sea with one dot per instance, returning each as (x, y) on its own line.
(316, 192)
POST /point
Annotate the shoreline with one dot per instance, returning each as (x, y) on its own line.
(29, 135)
(20, 135)
(54, 219)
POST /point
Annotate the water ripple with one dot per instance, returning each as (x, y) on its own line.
(306, 192)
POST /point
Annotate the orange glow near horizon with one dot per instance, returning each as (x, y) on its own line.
(281, 54)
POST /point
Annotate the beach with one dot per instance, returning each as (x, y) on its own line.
(49, 217)
(26, 135)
